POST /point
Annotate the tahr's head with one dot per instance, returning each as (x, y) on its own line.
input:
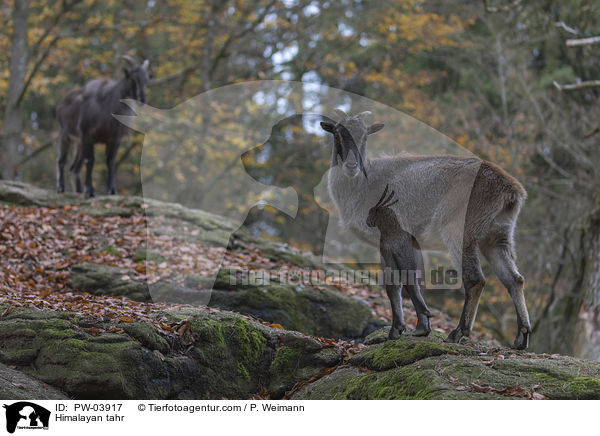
(137, 78)
(350, 142)
(382, 211)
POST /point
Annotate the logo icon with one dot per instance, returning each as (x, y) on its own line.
(26, 415)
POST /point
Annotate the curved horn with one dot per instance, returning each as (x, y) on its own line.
(132, 62)
(363, 115)
(392, 203)
(146, 64)
(382, 196)
(389, 198)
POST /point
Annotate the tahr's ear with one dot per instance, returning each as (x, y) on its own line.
(374, 128)
(328, 127)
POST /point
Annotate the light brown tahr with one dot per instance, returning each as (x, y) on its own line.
(464, 205)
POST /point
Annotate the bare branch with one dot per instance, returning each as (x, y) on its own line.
(577, 86)
(222, 51)
(494, 9)
(36, 67)
(567, 28)
(592, 132)
(35, 153)
(175, 75)
(583, 41)
(250, 28)
(65, 7)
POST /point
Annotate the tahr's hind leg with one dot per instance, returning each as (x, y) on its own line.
(111, 154)
(393, 292)
(76, 171)
(410, 263)
(502, 261)
(87, 148)
(63, 152)
(423, 314)
(473, 281)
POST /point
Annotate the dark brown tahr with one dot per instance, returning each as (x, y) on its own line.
(85, 117)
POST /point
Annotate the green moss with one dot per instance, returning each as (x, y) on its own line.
(296, 361)
(583, 388)
(242, 371)
(251, 342)
(147, 335)
(230, 350)
(286, 370)
(415, 381)
(52, 333)
(399, 384)
(24, 333)
(285, 363)
(564, 378)
(403, 352)
(319, 312)
(18, 357)
(409, 382)
(111, 250)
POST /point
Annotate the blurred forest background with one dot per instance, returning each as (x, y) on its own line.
(514, 82)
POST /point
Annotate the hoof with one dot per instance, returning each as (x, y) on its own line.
(421, 332)
(455, 336)
(89, 194)
(423, 327)
(60, 189)
(112, 191)
(395, 333)
(522, 339)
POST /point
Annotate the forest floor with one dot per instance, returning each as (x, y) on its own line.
(40, 244)
(46, 240)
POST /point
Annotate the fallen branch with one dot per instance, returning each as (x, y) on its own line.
(583, 41)
(576, 86)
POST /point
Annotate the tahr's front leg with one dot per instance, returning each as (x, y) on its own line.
(398, 324)
(410, 265)
(391, 277)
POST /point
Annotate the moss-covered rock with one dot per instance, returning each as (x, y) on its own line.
(105, 280)
(320, 312)
(147, 335)
(426, 368)
(15, 385)
(295, 362)
(219, 355)
(404, 351)
(226, 355)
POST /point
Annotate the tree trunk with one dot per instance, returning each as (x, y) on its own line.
(13, 121)
(587, 330)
